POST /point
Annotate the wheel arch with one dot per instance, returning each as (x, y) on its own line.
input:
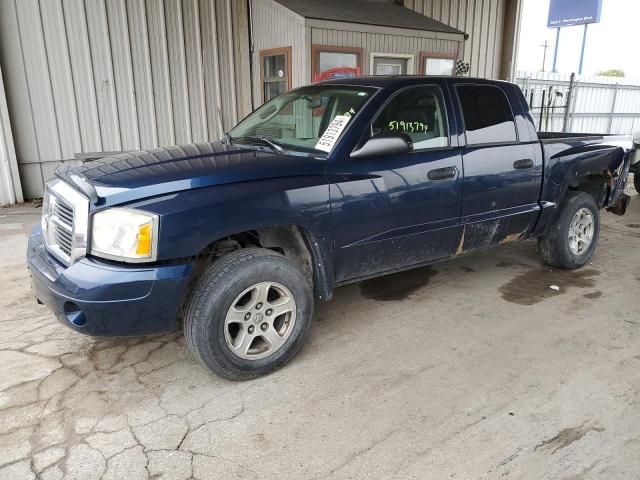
(307, 249)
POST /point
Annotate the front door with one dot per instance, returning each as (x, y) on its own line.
(389, 66)
(394, 211)
(502, 174)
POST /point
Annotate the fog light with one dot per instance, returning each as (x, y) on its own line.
(74, 314)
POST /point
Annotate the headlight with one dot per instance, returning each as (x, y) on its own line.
(124, 234)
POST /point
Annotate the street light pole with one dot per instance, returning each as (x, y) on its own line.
(584, 43)
(555, 51)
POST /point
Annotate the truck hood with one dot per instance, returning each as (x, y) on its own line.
(132, 176)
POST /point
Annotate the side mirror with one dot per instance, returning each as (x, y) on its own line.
(384, 144)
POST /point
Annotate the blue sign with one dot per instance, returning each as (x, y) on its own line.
(565, 13)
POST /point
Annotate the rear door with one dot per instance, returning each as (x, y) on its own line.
(502, 173)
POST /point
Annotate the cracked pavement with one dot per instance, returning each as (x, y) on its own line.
(472, 368)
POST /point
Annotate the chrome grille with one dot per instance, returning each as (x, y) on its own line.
(62, 219)
(64, 222)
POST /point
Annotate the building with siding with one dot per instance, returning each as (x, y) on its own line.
(82, 76)
(314, 41)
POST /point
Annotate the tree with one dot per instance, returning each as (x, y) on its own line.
(613, 72)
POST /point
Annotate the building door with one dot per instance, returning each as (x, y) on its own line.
(383, 65)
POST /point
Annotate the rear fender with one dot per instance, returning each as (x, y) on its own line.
(595, 167)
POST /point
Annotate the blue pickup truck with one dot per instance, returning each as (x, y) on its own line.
(324, 185)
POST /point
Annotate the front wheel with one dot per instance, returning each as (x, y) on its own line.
(249, 313)
(572, 239)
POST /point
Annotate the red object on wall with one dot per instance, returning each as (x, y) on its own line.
(338, 72)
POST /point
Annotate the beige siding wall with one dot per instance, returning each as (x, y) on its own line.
(481, 19)
(102, 75)
(275, 26)
(385, 40)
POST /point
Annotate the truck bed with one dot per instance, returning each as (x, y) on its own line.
(550, 136)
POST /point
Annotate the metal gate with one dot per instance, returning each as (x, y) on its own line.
(550, 105)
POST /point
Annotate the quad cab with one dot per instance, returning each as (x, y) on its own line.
(324, 185)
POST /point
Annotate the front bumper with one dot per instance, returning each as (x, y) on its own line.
(96, 298)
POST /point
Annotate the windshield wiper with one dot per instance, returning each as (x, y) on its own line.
(264, 141)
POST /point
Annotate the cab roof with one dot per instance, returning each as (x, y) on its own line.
(385, 81)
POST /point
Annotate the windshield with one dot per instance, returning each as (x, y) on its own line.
(308, 119)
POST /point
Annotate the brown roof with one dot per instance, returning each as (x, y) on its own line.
(388, 14)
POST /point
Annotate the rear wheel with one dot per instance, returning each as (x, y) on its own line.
(572, 239)
(249, 313)
(636, 181)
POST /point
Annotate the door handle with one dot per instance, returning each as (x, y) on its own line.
(442, 173)
(523, 164)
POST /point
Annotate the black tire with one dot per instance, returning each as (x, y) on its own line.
(218, 288)
(636, 181)
(554, 245)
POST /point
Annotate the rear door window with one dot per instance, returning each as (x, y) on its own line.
(487, 114)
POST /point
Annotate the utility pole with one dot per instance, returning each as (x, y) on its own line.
(545, 46)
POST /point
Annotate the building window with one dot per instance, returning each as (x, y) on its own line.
(437, 63)
(275, 71)
(335, 62)
(391, 64)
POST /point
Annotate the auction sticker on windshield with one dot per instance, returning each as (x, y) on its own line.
(331, 134)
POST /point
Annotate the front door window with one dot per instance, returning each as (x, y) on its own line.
(418, 112)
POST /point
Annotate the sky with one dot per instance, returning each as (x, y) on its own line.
(612, 43)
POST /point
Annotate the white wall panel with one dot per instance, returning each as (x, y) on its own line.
(118, 27)
(82, 72)
(55, 37)
(142, 79)
(195, 80)
(481, 19)
(105, 75)
(160, 77)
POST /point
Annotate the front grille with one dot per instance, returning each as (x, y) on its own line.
(64, 221)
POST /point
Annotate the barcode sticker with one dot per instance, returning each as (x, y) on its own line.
(331, 134)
